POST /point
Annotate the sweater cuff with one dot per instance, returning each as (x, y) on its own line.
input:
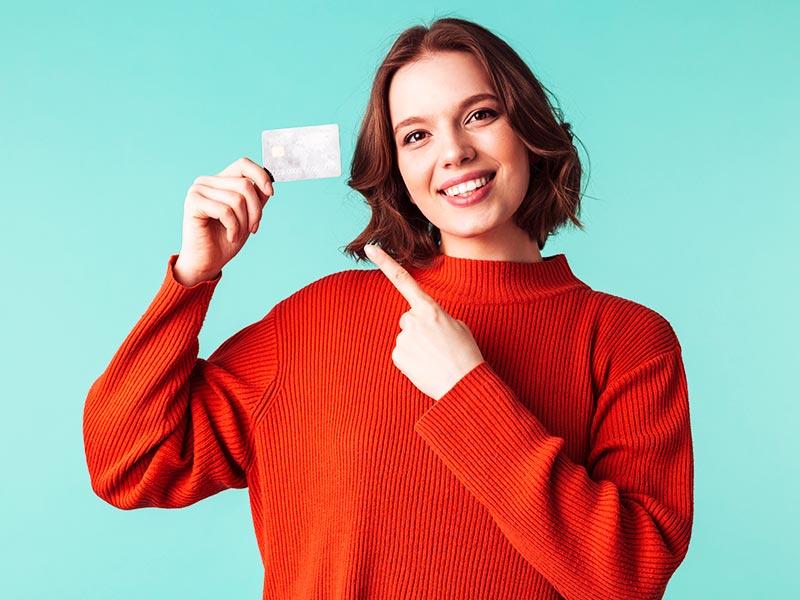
(482, 432)
(177, 287)
(172, 294)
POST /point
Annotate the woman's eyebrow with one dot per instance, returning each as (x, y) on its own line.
(464, 104)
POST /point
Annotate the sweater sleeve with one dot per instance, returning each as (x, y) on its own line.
(164, 428)
(617, 528)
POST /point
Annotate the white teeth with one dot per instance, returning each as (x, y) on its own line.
(467, 186)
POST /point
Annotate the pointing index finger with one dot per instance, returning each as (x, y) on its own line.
(400, 278)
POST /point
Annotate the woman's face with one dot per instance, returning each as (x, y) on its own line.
(449, 128)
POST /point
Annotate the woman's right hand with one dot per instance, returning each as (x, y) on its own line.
(220, 213)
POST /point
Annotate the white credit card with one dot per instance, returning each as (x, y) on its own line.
(302, 152)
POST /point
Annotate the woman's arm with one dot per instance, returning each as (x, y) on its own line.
(164, 428)
(617, 528)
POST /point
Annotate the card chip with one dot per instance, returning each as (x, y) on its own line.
(278, 151)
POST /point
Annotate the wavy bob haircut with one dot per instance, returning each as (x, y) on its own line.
(397, 224)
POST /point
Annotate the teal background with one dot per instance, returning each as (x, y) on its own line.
(689, 114)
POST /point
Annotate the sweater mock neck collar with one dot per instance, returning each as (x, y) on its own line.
(495, 281)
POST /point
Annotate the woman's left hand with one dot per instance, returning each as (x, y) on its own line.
(433, 349)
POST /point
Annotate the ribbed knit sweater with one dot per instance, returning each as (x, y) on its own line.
(561, 466)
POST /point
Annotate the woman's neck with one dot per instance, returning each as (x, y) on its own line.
(512, 245)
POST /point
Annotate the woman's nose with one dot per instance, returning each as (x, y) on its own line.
(456, 147)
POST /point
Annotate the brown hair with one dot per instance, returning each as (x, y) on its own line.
(397, 224)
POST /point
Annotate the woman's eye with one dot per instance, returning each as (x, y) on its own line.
(409, 138)
(489, 112)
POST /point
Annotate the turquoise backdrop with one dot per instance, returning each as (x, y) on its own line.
(688, 111)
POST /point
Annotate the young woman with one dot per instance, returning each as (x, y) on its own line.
(469, 420)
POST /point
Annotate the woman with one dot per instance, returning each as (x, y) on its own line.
(468, 421)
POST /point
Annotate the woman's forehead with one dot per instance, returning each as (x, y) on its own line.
(436, 83)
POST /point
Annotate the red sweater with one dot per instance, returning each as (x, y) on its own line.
(561, 466)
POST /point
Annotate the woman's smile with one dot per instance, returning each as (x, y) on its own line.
(469, 193)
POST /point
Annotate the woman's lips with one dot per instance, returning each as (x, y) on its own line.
(473, 198)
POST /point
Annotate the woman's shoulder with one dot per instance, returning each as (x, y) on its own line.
(335, 289)
(627, 333)
(619, 312)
